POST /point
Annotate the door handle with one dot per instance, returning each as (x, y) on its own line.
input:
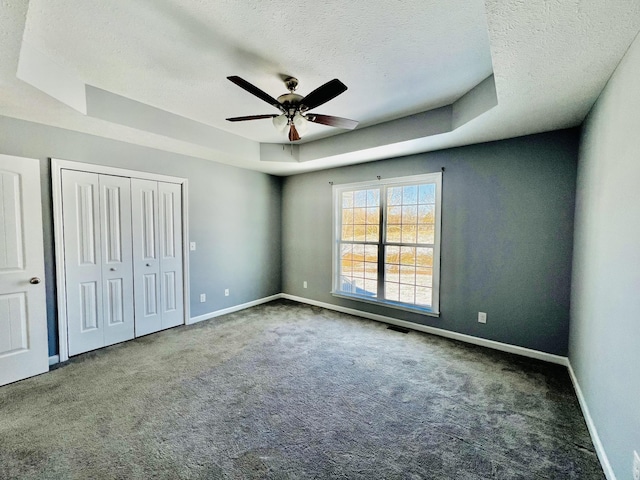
(112, 269)
(148, 264)
(34, 281)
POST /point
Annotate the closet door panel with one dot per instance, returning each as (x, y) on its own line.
(170, 222)
(146, 258)
(83, 261)
(117, 271)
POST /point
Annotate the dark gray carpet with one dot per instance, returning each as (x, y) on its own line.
(285, 391)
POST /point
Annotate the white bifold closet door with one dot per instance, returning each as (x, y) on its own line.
(98, 259)
(157, 252)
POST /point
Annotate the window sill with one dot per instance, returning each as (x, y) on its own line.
(388, 304)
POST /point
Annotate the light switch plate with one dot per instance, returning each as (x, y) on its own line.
(482, 317)
(192, 246)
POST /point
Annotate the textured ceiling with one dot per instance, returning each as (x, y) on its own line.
(397, 58)
(550, 59)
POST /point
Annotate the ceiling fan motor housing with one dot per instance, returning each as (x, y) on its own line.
(290, 103)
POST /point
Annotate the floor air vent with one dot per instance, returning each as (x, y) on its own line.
(396, 328)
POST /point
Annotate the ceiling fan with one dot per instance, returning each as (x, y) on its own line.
(295, 108)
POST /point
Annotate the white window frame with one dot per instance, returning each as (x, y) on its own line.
(383, 184)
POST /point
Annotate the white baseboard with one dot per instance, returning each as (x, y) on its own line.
(233, 309)
(595, 438)
(504, 347)
(53, 359)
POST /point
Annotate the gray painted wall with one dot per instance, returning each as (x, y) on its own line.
(507, 235)
(605, 315)
(234, 214)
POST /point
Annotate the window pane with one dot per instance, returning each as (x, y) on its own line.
(427, 193)
(393, 234)
(346, 285)
(359, 233)
(373, 215)
(358, 269)
(346, 264)
(407, 293)
(371, 288)
(358, 253)
(392, 254)
(347, 216)
(424, 257)
(407, 274)
(392, 291)
(426, 234)
(410, 195)
(423, 296)
(373, 233)
(345, 268)
(426, 214)
(371, 253)
(394, 196)
(408, 255)
(409, 234)
(360, 198)
(347, 199)
(394, 215)
(409, 215)
(371, 270)
(424, 277)
(347, 233)
(392, 272)
(373, 198)
(360, 216)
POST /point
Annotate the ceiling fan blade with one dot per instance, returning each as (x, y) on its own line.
(323, 94)
(250, 117)
(242, 83)
(293, 134)
(332, 121)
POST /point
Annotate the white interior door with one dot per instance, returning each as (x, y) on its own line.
(117, 258)
(23, 321)
(146, 256)
(170, 221)
(83, 260)
(98, 260)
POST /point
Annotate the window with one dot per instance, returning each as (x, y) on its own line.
(387, 242)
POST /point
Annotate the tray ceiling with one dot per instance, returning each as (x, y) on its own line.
(550, 60)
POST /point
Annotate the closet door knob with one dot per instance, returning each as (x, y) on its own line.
(34, 281)
(148, 264)
(112, 269)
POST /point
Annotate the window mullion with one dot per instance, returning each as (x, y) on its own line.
(381, 238)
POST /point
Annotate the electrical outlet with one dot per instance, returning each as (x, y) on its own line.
(304, 284)
(482, 317)
(636, 466)
(192, 246)
(226, 292)
(203, 297)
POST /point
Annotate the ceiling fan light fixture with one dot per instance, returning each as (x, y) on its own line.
(280, 122)
(301, 123)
